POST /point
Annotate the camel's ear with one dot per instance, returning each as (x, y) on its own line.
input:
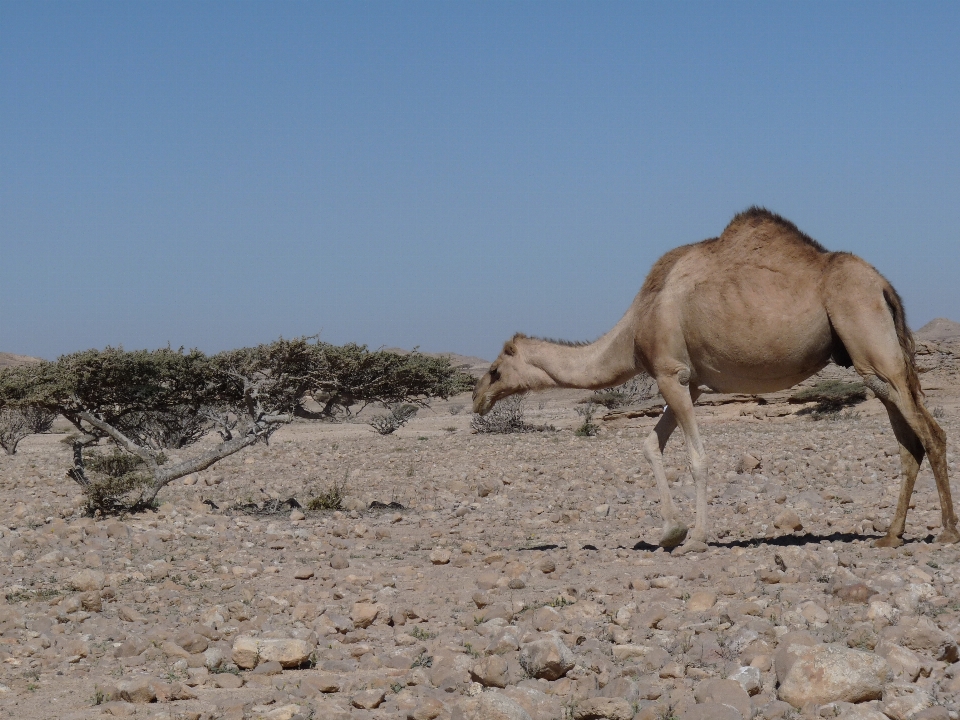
(510, 347)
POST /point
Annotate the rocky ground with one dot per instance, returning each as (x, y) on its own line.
(519, 579)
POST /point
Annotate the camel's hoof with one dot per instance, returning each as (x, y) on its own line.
(888, 541)
(691, 546)
(949, 536)
(697, 536)
(673, 535)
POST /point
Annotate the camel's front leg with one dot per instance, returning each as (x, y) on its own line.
(680, 396)
(674, 531)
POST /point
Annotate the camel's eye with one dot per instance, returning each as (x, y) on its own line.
(494, 374)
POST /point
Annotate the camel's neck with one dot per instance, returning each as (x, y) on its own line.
(607, 362)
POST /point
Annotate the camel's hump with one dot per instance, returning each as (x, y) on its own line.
(757, 217)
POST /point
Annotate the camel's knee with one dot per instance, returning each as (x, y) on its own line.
(651, 447)
(880, 388)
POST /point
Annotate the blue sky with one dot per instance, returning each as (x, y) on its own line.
(444, 174)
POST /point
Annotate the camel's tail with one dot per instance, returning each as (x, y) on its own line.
(905, 337)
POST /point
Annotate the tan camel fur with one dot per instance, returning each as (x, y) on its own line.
(758, 309)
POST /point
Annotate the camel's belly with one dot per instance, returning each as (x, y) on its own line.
(756, 345)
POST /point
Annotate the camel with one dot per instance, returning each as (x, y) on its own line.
(758, 309)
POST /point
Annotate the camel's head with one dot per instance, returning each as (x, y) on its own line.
(503, 379)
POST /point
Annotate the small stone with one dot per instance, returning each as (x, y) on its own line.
(440, 556)
(489, 486)
(363, 614)
(91, 601)
(788, 520)
(128, 614)
(725, 692)
(368, 699)
(822, 674)
(88, 580)
(548, 566)
(747, 463)
(427, 709)
(749, 679)
(271, 667)
(603, 708)
(701, 601)
(491, 671)
(140, 690)
(284, 712)
(855, 593)
(303, 573)
(489, 706)
(548, 658)
(339, 562)
(297, 515)
(289, 652)
(227, 681)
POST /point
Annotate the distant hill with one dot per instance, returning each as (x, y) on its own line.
(939, 329)
(11, 360)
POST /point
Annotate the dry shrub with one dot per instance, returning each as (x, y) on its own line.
(117, 480)
(394, 420)
(633, 392)
(506, 417)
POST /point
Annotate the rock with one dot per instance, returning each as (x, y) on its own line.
(248, 652)
(708, 711)
(788, 520)
(786, 654)
(91, 601)
(855, 593)
(368, 699)
(904, 662)
(270, 667)
(937, 712)
(440, 556)
(749, 679)
(88, 580)
(538, 705)
(426, 709)
(623, 653)
(491, 671)
(701, 601)
(547, 658)
(213, 658)
(363, 614)
(339, 562)
(725, 692)
(191, 642)
(747, 463)
(489, 706)
(548, 566)
(297, 515)
(489, 486)
(603, 708)
(139, 690)
(813, 613)
(822, 674)
(303, 573)
(922, 634)
(227, 681)
(902, 701)
(861, 712)
(284, 712)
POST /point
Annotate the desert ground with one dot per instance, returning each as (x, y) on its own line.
(500, 577)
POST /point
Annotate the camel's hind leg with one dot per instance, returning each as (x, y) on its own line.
(680, 399)
(867, 316)
(918, 434)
